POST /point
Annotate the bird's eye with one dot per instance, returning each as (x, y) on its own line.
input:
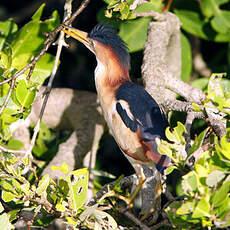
(92, 44)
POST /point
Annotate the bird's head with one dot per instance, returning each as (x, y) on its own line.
(104, 42)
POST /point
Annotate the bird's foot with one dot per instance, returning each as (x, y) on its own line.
(136, 191)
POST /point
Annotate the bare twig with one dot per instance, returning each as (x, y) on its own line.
(6, 81)
(167, 8)
(77, 12)
(47, 43)
(20, 152)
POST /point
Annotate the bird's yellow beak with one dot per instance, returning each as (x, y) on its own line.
(77, 34)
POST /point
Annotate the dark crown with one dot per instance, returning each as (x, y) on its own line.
(109, 37)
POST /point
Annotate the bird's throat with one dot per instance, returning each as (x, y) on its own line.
(110, 75)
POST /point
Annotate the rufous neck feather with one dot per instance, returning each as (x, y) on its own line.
(110, 71)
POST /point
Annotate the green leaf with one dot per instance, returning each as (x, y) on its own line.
(78, 186)
(224, 147)
(190, 182)
(186, 58)
(15, 144)
(170, 169)
(134, 33)
(7, 29)
(198, 142)
(200, 83)
(4, 89)
(186, 208)
(43, 68)
(63, 168)
(202, 209)
(30, 39)
(37, 15)
(71, 221)
(214, 178)
(8, 196)
(211, 7)
(220, 22)
(196, 107)
(219, 195)
(6, 57)
(220, 18)
(194, 23)
(24, 95)
(177, 134)
(60, 207)
(43, 184)
(155, 5)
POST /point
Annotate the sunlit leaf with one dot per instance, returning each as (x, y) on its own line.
(43, 184)
(63, 168)
(14, 144)
(219, 195)
(25, 95)
(30, 39)
(198, 141)
(78, 187)
(190, 182)
(201, 209)
(186, 208)
(214, 178)
(8, 196)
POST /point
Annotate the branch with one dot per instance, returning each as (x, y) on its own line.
(20, 152)
(48, 42)
(83, 5)
(68, 20)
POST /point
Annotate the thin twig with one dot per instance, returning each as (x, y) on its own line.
(83, 5)
(6, 81)
(31, 65)
(61, 42)
(20, 152)
(167, 8)
(47, 43)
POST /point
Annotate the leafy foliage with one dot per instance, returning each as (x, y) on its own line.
(48, 199)
(17, 50)
(206, 187)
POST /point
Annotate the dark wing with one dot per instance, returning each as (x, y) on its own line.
(143, 116)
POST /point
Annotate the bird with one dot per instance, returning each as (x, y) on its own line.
(133, 116)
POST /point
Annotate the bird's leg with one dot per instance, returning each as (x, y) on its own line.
(141, 181)
(151, 194)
